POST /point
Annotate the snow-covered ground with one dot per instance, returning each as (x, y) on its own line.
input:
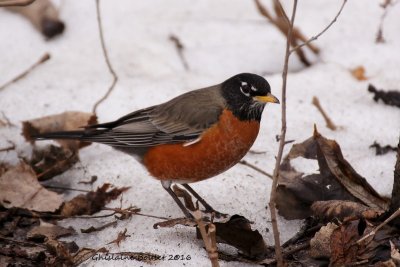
(221, 38)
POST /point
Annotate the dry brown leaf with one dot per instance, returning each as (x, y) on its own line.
(19, 188)
(66, 121)
(43, 15)
(173, 222)
(359, 73)
(48, 231)
(336, 180)
(340, 209)
(394, 254)
(321, 243)
(237, 232)
(344, 247)
(51, 161)
(121, 237)
(91, 202)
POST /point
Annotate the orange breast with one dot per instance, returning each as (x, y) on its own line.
(220, 147)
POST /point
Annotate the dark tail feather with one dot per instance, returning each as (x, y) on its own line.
(78, 135)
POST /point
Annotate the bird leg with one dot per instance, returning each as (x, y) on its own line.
(207, 206)
(167, 186)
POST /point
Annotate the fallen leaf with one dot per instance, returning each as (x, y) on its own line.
(391, 97)
(48, 231)
(92, 229)
(382, 150)
(19, 188)
(344, 247)
(43, 15)
(67, 121)
(359, 73)
(320, 244)
(173, 222)
(121, 237)
(340, 209)
(91, 202)
(336, 180)
(237, 232)
(51, 161)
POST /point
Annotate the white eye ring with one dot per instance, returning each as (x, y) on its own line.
(241, 90)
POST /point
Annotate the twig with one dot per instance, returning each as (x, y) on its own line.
(322, 32)
(66, 188)
(373, 232)
(385, 6)
(281, 21)
(278, 249)
(254, 167)
(16, 2)
(92, 229)
(9, 148)
(105, 53)
(179, 47)
(208, 238)
(329, 122)
(127, 211)
(43, 59)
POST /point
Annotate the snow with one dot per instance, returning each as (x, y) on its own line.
(221, 38)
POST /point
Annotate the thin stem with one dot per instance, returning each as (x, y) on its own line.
(16, 2)
(322, 32)
(278, 249)
(105, 53)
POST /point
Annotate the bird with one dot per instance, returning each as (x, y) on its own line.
(190, 138)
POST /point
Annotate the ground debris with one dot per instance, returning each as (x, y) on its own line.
(391, 97)
(19, 188)
(121, 237)
(382, 150)
(66, 121)
(91, 202)
(336, 180)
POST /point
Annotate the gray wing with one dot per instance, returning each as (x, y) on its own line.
(182, 119)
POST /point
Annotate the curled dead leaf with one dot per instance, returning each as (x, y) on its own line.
(43, 15)
(19, 188)
(237, 232)
(340, 209)
(173, 222)
(359, 73)
(66, 121)
(321, 243)
(91, 202)
(336, 180)
(51, 161)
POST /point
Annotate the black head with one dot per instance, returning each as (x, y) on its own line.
(246, 95)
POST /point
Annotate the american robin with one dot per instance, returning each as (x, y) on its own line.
(190, 138)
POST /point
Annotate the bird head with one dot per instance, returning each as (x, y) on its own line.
(246, 95)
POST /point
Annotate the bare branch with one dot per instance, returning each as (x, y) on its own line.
(4, 3)
(329, 122)
(254, 167)
(373, 232)
(110, 68)
(322, 32)
(43, 59)
(179, 47)
(278, 249)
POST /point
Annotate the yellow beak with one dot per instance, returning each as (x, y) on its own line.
(267, 98)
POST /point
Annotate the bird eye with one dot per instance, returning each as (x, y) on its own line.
(245, 89)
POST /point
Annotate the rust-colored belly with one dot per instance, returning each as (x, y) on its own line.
(220, 147)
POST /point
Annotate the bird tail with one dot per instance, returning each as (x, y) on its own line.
(74, 135)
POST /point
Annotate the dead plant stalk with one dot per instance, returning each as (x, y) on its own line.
(105, 53)
(278, 249)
